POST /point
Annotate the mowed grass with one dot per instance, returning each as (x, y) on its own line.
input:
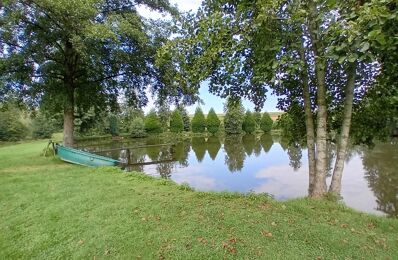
(50, 209)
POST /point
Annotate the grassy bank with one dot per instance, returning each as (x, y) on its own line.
(51, 209)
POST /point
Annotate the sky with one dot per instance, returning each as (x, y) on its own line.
(210, 101)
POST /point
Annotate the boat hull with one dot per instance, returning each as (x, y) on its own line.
(84, 158)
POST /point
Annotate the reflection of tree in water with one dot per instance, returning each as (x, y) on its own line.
(249, 142)
(234, 153)
(381, 172)
(294, 152)
(257, 147)
(181, 151)
(199, 147)
(213, 146)
(165, 169)
(266, 142)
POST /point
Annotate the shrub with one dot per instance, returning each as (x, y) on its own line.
(138, 128)
(198, 121)
(185, 118)
(113, 125)
(266, 123)
(11, 128)
(42, 127)
(212, 122)
(152, 123)
(234, 116)
(176, 122)
(249, 125)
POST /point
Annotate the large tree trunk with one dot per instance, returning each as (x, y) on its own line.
(68, 127)
(319, 188)
(335, 186)
(309, 123)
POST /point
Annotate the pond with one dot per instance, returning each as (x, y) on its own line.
(260, 164)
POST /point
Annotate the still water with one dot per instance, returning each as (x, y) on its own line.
(261, 164)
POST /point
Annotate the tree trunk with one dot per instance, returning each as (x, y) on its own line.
(319, 188)
(68, 127)
(335, 186)
(309, 123)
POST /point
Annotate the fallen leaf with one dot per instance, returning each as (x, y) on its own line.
(81, 242)
(266, 233)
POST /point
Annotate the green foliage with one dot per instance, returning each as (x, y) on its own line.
(164, 115)
(292, 125)
(42, 127)
(176, 122)
(185, 118)
(198, 121)
(113, 125)
(80, 54)
(137, 128)
(212, 122)
(152, 123)
(266, 123)
(249, 124)
(234, 117)
(257, 119)
(11, 127)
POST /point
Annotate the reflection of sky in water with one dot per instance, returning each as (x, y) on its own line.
(266, 173)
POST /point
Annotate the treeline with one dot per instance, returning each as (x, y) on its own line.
(19, 123)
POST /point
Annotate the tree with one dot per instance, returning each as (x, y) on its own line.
(138, 128)
(185, 118)
(198, 121)
(113, 125)
(152, 123)
(79, 54)
(164, 114)
(249, 125)
(234, 116)
(212, 122)
(257, 119)
(176, 123)
(42, 127)
(11, 127)
(266, 123)
(315, 53)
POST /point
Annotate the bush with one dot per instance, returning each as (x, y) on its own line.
(185, 118)
(138, 128)
(249, 125)
(152, 123)
(234, 116)
(198, 121)
(11, 128)
(42, 127)
(113, 125)
(266, 123)
(212, 122)
(176, 123)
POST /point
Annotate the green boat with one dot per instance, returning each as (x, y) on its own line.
(83, 158)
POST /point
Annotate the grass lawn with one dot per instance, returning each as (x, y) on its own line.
(51, 209)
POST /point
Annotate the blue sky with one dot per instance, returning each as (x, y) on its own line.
(208, 99)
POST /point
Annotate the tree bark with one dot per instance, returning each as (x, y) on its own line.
(309, 122)
(335, 186)
(68, 127)
(319, 188)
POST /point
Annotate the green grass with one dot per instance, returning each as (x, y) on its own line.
(50, 209)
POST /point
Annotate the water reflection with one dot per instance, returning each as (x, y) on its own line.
(265, 164)
(199, 147)
(213, 145)
(381, 172)
(234, 153)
